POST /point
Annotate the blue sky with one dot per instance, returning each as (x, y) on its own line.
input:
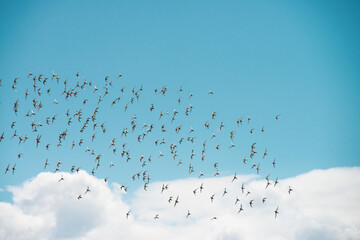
(299, 59)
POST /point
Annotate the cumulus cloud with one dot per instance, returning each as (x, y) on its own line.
(323, 205)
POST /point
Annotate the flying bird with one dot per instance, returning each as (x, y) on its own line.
(276, 211)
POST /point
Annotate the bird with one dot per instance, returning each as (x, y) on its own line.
(61, 179)
(46, 163)
(276, 181)
(180, 90)
(225, 192)
(265, 153)
(241, 208)
(213, 115)
(201, 187)
(258, 169)
(7, 168)
(276, 211)
(176, 201)
(242, 188)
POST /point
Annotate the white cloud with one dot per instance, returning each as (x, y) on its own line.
(323, 205)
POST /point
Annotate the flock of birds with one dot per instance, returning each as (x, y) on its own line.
(83, 126)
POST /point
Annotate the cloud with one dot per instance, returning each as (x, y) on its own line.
(323, 205)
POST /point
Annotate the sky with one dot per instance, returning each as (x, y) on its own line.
(298, 59)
